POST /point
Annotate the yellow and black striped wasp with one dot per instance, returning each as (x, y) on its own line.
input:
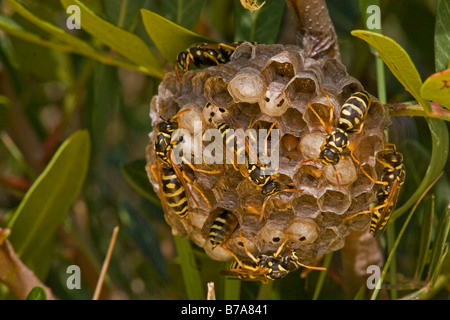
(266, 182)
(222, 227)
(237, 144)
(265, 267)
(351, 120)
(204, 54)
(171, 178)
(253, 169)
(391, 181)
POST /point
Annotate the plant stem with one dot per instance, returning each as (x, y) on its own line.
(323, 274)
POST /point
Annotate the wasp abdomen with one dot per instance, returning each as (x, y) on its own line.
(174, 192)
(353, 111)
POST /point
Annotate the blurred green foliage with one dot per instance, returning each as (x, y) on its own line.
(100, 80)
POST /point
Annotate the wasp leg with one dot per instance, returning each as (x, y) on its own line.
(281, 246)
(226, 46)
(188, 180)
(331, 106)
(251, 256)
(365, 211)
(324, 125)
(211, 57)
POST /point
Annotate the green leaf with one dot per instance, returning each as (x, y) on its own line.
(64, 37)
(437, 88)
(232, 289)
(168, 37)
(135, 174)
(189, 269)
(37, 293)
(127, 44)
(47, 202)
(122, 13)
(262, 25)
(442, 35)
(182, 12)
(11, 27)
(398, 61)
(145, 238)
(59, 40)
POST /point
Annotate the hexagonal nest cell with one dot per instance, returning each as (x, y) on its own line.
(261, 85)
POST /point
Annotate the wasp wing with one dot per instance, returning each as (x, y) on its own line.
(388, 209)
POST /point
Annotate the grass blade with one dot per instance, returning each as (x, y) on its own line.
(322, 276)
(232, 289)
(440, 247)
(425, 238)
(189, 269)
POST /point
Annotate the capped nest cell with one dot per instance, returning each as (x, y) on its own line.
(262, 85)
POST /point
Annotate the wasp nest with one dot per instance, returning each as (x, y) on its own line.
(261, 85)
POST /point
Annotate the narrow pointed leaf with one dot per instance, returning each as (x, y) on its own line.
(168, 37)
(125, 43)
(9, 26)
(398, 61)
(59, 39)
(59, 34)
(183, 13)
(47, 202)
(442, 35)
(135, 174)
(262, 25)
(145, 238)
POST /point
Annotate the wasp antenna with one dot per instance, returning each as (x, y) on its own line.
(308, 160)
(324, 125)
(181, 112)
(311, 267)
(263, 208)
(292, 190)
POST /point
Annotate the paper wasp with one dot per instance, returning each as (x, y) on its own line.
(351, 119)
(171, 178)
(222, 227)
(392, 179)
(267, 183)
(204, 54)
(265, 267)
(238, 146)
